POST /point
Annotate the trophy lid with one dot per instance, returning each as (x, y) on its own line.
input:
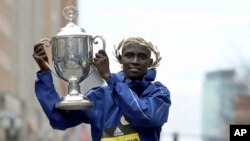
(71, 29)
(69, 14)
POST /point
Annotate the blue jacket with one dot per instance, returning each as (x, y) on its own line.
(144, 104)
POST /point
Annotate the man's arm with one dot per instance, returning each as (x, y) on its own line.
(48, 97)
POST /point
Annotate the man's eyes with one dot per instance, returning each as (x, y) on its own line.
(129, 55)
(140, 56)
(143, 56)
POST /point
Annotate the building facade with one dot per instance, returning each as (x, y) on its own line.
(242, 110)
(22, 24)
(219, 91)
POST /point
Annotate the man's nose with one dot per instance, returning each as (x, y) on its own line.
(135, 59)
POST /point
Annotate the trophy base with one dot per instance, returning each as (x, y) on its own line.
(80, 104)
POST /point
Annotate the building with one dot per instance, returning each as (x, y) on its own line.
(22, 24)
(219, 91)
(242, 110)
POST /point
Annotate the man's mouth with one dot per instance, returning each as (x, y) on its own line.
(134, 69)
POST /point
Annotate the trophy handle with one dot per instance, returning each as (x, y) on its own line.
(103, 41)
(103, 47)
(47, 43)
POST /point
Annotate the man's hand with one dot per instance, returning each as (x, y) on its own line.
(40, 56)
(101, 62)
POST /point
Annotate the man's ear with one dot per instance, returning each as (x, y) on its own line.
(151, 63)
(120, 59)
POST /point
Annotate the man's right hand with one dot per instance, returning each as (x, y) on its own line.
(40, 56)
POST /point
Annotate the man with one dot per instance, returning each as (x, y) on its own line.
(131, 107)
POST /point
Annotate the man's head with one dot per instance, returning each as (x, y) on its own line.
(135, 57)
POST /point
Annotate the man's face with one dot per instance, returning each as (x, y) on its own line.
(135, 60)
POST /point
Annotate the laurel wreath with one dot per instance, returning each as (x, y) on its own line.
(141, 41)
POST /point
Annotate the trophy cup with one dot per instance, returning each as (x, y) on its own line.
(71, 49)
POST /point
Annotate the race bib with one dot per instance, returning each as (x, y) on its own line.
(120, 133)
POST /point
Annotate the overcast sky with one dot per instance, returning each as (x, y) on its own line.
(193, 36)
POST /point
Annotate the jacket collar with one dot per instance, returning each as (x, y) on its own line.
(148, 77)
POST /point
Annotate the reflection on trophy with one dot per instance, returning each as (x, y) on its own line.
(71, 50)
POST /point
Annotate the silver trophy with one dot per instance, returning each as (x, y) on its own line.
(71, 49)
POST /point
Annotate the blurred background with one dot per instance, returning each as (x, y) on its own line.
(204, 44)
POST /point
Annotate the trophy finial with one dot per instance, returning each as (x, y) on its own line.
(70, 13)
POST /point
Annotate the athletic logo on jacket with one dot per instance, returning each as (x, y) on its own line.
(124, 132)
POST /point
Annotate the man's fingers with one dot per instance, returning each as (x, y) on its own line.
(40, 56)
(98, 55)
(40, 53)
(38, 46)
(103, 52)
(43, 58)
(39, 50)
(97, 60)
